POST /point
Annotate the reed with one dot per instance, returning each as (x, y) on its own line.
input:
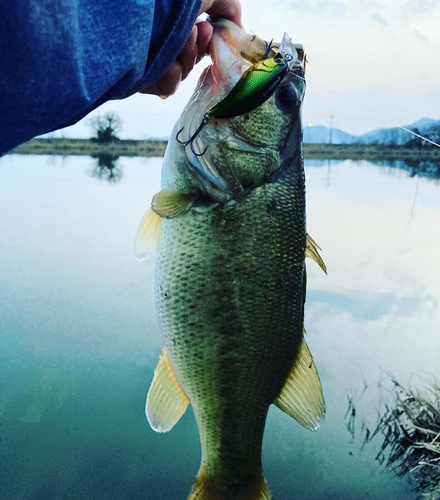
(411, 432)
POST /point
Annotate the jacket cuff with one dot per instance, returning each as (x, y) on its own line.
(165, 49)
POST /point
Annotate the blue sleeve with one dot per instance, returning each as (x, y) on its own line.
(60, 59)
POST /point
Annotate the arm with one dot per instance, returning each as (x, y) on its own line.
(60, 59)
(195, 47)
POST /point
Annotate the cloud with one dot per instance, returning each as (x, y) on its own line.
(420, 36)
(424, 77)
(319, 7)
(420, 6)
(379, 19)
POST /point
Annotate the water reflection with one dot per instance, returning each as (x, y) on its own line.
(350, 415)
(45, 393)
(107, 168)
(415, 167)
(79, 339)
(409, 431)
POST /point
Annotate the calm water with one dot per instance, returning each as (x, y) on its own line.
(79, 339)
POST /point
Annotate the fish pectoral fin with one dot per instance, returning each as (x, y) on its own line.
(147, 234)
(312, 252)
(166, 399)
(172, 204)
(301, 397)
(166, 204)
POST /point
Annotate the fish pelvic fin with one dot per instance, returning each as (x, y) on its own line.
(172, 204)
(166, 399)
(147, 235)
(301, 397)
(210, 488)
(312, 252)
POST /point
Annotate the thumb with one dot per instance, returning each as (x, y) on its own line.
(227, 9)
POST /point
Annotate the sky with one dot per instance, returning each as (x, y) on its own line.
(371, 64)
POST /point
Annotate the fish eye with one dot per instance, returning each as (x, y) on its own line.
(278, 60)
(287, 97)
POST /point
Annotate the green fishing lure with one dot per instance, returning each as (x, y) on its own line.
(255, 87)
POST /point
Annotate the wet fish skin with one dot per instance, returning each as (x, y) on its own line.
(229, 292)
(230, 287)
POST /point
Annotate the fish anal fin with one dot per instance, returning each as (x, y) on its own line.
(301, 397)
(166, 399)
(312, 252)
(172, 204)
(147, 234)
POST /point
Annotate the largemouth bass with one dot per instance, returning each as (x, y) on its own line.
(230, 273)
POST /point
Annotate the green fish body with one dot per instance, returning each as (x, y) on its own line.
(230, 287)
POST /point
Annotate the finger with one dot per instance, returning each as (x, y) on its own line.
(167, 83)
(228, 9)
(204, 35)
(170, 81)
(153, 89)
(188, 54)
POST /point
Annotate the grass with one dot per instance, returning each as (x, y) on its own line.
(411, 437)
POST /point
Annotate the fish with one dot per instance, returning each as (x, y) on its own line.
(229, 231)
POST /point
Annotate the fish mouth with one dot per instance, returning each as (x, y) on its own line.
(250, 47)
(233, 51)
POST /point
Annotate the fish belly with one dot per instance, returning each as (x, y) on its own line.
(229, 293)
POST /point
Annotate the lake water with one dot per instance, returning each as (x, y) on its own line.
(79, 339)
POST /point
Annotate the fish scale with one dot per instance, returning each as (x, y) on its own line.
(231, 325)
(230, 277)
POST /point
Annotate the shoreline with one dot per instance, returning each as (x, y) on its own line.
(156, 148)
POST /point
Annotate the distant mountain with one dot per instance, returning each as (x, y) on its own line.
(396, 135)
(393, 135)
(423, 123)
(319, 134)
(426, 126)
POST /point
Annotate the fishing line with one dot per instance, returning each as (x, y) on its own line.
(421, 136)
(413, 208)
(360, 107)
(425, 139)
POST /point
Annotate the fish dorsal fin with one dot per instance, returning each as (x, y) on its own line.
(166, 400)
(301, 397)
(146, 237)
(312, 252)
(172, 204)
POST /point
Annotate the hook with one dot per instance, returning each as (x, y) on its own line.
(190, 141)
(269, 46)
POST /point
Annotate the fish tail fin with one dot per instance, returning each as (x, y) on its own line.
(209, 488)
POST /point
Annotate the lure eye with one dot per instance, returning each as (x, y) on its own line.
(286, 97)
(278, 60)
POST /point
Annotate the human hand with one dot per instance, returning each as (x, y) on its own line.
(195, 47)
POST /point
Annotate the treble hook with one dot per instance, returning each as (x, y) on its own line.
(190, 141)
(268, 49)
